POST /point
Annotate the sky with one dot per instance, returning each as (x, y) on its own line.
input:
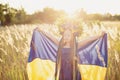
(70, 6)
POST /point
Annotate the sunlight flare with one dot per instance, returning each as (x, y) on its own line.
(68, 6)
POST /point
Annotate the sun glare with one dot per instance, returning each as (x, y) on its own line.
(69, 6)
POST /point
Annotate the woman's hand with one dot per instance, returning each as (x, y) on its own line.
(39, 29)
(89, 40)
(102, 34)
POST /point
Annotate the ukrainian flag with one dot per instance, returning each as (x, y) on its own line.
(92, 61)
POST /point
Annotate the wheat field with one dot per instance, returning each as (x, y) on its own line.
(15, 46)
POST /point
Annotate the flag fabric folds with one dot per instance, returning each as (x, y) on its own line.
(92, 62)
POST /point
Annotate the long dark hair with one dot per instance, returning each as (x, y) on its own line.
(73, 52)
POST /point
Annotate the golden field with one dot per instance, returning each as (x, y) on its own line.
(15, 46)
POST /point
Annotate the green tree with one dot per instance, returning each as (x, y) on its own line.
(20, 16)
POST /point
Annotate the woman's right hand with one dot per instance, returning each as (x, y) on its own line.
(39, 29)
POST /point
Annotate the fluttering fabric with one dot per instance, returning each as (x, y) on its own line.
(92, 59)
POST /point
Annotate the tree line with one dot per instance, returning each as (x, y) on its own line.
(96, 16)
(9, 16)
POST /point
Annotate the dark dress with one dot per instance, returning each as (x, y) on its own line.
(66, 70)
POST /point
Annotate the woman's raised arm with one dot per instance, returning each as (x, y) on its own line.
(89, 40)
(52, 38)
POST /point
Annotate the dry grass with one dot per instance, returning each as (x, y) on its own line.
(15, 45)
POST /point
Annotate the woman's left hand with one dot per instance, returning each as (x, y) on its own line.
(102, 34)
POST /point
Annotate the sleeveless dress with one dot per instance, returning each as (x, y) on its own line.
(66, 70)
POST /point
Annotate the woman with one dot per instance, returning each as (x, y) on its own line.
(66, 63)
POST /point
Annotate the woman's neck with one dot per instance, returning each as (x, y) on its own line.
(67, 45)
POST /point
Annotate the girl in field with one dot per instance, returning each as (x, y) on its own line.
(66, 63)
